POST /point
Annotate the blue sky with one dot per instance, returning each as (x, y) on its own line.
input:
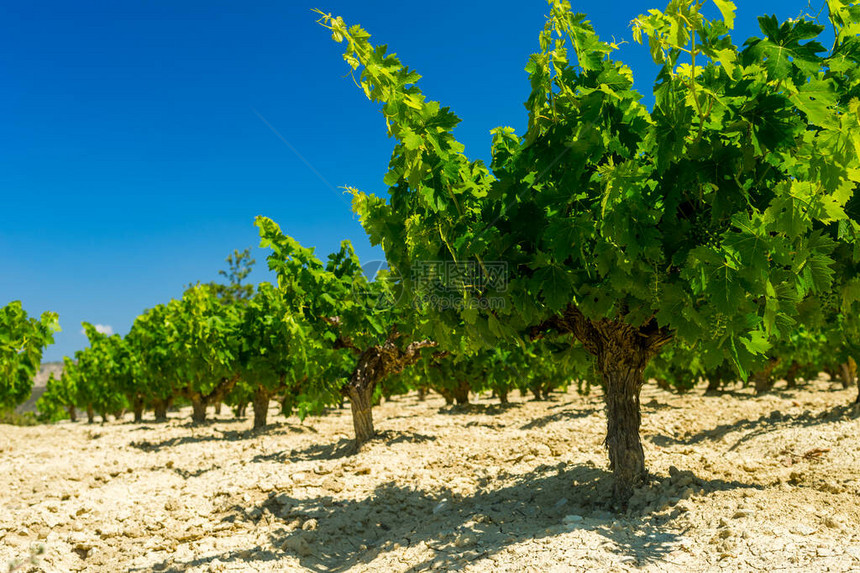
(137, 139)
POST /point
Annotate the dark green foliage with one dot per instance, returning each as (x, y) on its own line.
(703, 220)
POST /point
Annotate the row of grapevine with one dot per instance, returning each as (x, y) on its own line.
(717, 230)
(22, 341)
(325, 334)
(200, 349)
(718, 222)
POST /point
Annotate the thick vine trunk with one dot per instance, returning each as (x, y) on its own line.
(621, 364)
(138, 409)
(198, 407)
(713, 385)
(241, 409)
(848, 370)
(73, 414)
(361, 403)
(762, 382)
(845, 375)
(261, 407)
(369, 370)
(791, 376)
(422, 393)
(199, 401)
(160, 407)
(622, 352)
(448, 395)
(535, 387)
(461, 392)
(852, 371)
(372, 366)
(91, 415)
(503, 394)
(218, 408)
(763, 379)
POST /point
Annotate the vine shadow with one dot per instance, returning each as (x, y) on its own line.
(764, 424)
(560, 417)
(391, 437)
(474, 408)
(333, 535)
(279, 429)
(344, 447)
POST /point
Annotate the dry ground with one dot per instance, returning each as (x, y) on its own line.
(741, 483)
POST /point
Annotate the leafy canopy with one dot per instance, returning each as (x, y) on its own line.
(706, 216)
(22, 340)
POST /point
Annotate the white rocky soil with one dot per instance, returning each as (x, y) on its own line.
(741, 483)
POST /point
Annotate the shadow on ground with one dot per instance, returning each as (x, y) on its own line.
(216, 435)
(771, 422)
(472, 409)
(561, 416)
(344, 447)
(443, 530)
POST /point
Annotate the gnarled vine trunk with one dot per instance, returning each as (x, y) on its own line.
(73, 414)
(361, 404)
(791, 376)
(448, 395)
(160, 406)
(851, 367)
(502, 392)
(461, 392)
(762, 382)
(91, 415)
(714, 383)
(848, 370)
(369, 370)
(621, 363)
(138, 409)
(845, 375)
(763, 379)
(261, 407)
(622, 352)
(199, 401)
(198, 409)
(372, 366)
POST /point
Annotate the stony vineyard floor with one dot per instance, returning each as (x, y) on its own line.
(741, 483)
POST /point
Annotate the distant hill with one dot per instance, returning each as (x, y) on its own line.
(39, 383)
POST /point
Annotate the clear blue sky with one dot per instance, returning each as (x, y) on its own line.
(132, 160)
